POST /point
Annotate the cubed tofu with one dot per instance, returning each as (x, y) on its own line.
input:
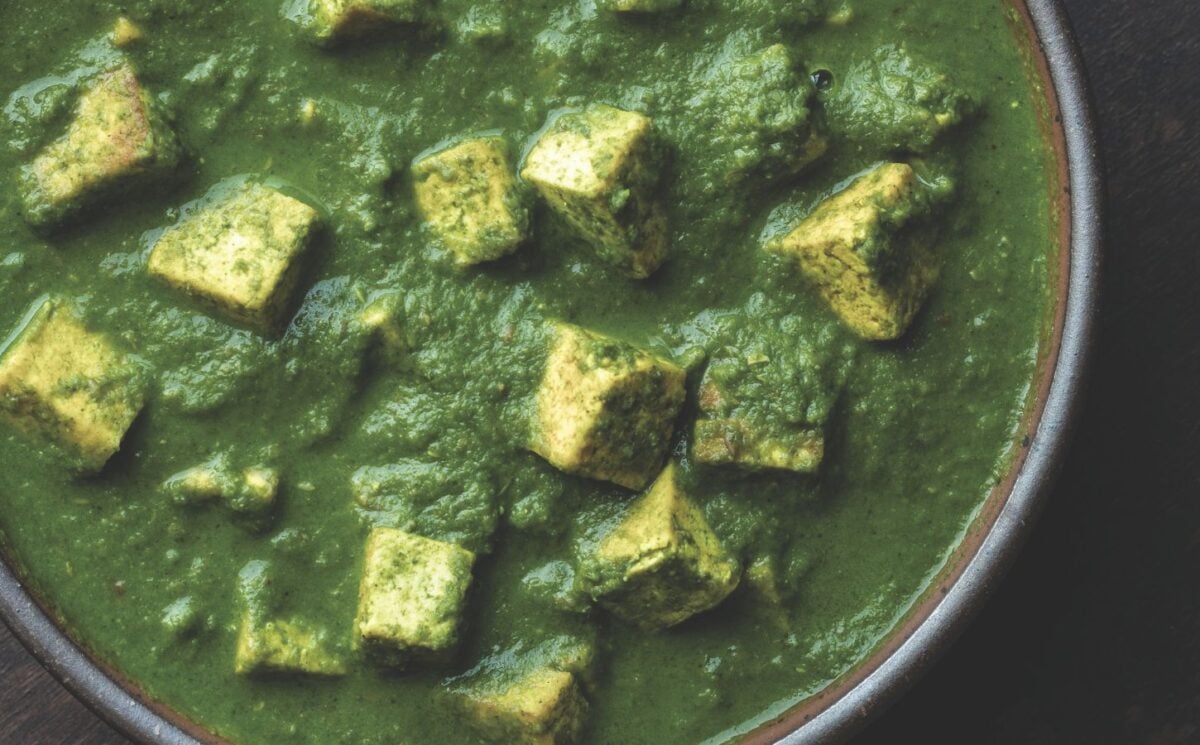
(873, 278)
(470, 198)
(662, 564)
(605, 409)
(241, 254)
(334, 21)
(283, 646)
(118, 140)
(542, 707)
(601, 170)
(65, 384)
(639, 6)
(411, 599)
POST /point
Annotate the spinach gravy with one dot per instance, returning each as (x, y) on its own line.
(553, 371)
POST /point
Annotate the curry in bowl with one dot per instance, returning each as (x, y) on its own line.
(610, 371)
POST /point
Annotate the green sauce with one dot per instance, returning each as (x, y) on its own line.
(424, 424)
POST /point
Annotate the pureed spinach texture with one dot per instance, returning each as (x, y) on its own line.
(404, 306)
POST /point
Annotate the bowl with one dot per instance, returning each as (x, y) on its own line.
(954, 595)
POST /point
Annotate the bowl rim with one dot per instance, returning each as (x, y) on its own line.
(911, 648)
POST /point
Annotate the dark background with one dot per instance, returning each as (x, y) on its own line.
(1095, 635)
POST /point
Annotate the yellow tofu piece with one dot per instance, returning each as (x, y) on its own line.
(601, 169)
(874, 279)
(334, 21)
(662, 564)
(542, 707)
(470, 197)
(64, 384)
(283, 646)
(241, 255)
(117, 140)
(411, 598)
(605, 409)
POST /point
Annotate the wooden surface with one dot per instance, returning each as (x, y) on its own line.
(1095, 636)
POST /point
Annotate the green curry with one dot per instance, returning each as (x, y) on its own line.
(401, 371)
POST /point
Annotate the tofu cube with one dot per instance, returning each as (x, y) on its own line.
(542, 707)
(283, 646)
(873, 278)
(411, 599)
(64, 384)
(605, 409)
(240, 254)
(639, 6)
(334, 21)
(662, 564)
(601, 170)
(118, 140)
(470, 197)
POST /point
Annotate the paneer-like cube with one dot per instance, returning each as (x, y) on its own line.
(601, 170)
(283, 646)
(542, 707)
(470, 197)
(605, 409)
(662, 564)
(410, 602)
(117, 141)
(874, 277)
(334, 21)
(240, 254)
(639, 6)
(65, 384)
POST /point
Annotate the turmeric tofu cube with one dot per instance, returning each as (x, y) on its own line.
(542, 707)
(470, 198)
(874, 277)
(601, 170)
(662, 564)
(240, 254)
(284, 646)
(64, 384)
(605, 409)
(334, 21)
(411, 599)
(118, 140)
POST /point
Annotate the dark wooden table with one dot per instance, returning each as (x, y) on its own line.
(1095, 636)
